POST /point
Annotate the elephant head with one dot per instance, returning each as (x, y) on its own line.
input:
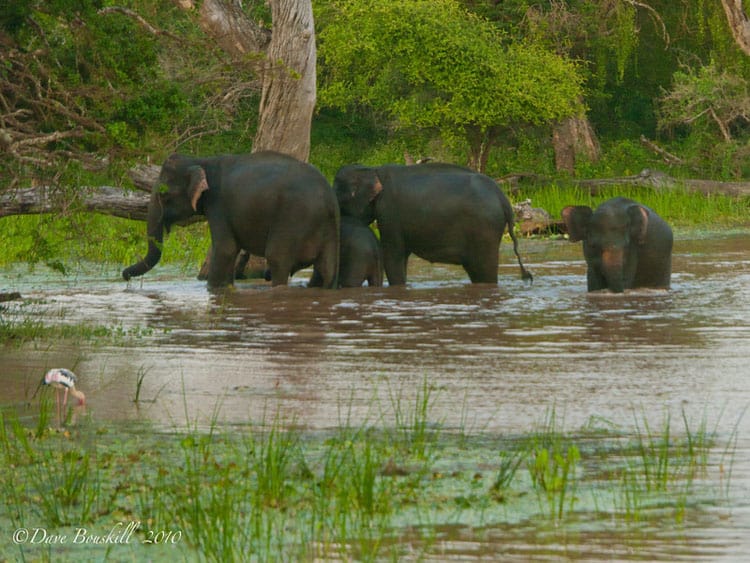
(611, 237)
(174, 198)
(357, 187)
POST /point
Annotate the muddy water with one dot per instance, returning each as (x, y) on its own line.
(499, 357)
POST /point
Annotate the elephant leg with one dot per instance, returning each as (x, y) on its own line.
(482, 265)
(375, 278)
(239, 266)
(316, 279)
(595, 280)
(281, 266)
(395, 267)
(326, 266)
(221, 268)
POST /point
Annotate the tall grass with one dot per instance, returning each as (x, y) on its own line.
(680, 208)
(414, 432)
(59, 477)
(274, 492)
(552, 461)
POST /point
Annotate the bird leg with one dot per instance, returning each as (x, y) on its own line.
(57, 404)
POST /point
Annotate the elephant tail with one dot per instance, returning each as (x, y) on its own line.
(510, 223)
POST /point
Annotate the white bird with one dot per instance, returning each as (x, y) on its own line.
(63, 380)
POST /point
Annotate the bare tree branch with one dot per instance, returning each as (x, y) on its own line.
(138, 18)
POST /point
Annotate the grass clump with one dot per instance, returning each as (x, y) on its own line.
(682, 209)
(275, 492)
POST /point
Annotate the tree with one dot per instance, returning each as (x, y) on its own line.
(709, 94)
(288, 69)
(289, 84)
(739, 24)
(605, 35)
(430, 65)
(64, 76)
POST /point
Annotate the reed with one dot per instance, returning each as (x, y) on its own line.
(414, 432)
(679, 207)
(274, 492)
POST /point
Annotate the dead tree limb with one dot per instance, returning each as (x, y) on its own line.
(102, 199)
(660, 181)
(668, 157)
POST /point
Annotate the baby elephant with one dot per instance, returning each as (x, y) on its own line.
(626, 244)
(360, 259)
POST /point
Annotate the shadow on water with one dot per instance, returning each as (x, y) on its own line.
(498, 356)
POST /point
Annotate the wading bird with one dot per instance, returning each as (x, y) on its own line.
(63, 380)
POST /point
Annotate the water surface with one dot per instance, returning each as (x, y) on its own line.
(499, 358)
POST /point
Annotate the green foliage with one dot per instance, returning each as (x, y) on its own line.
(707, 94)
(432, 65)
(274, 492)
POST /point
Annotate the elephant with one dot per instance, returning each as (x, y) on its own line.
(360, 256)
(440, 212)
(266, 203)
(626, 245)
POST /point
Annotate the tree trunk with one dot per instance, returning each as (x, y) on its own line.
(226, 23)
(739, 24)
(288, 98)
(289, 88)
(572, 139)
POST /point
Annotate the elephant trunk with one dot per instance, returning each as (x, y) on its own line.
(155, 239)
(613, 267)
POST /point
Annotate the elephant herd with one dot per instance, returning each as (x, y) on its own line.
(276, 206)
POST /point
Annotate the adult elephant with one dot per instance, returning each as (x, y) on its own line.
(625, 244)
(440, 212)
(267, 203)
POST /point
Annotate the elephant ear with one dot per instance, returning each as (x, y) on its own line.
(577, 219)
(197, 185)
(376, 188)
(638, 223)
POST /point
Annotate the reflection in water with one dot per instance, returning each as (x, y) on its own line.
(498, 356)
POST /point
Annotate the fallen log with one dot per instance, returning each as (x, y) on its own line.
(661, 181)
(102, 199)
(144, 176)
(536, 221)
(133, 204)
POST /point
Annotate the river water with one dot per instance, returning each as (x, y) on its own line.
(498, 357)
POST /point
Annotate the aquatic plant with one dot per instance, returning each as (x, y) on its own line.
(414, 431)
(271, 491)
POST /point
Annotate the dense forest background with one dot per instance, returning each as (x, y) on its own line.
(558, 88)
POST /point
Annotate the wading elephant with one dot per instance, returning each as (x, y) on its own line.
(440, 212)
(625, 244)
(267, 203)
(360, 259)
